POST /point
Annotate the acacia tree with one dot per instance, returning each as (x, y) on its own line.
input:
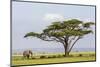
(66, 32)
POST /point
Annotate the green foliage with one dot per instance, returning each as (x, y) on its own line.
(33, 58)
(66, 28)
(49, 56)
(59, 56)
(55, 25)
(42, 56)
(32, 34)
(88, 24)
(54, 56)
(56, 34)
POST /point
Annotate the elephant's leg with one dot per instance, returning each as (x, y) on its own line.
(28, 56)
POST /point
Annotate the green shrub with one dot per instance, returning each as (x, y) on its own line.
(59, 56)
(49, 57)
(71, 55)
(42, 56)
(54, 56)
(33, 58)
(80, 55)
(92, 55)
(63, 55)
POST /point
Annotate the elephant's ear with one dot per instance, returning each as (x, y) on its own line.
(30, 52)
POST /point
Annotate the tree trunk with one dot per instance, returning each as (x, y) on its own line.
(66, 52)
(66, 47)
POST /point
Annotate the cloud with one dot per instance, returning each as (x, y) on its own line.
(53, 17)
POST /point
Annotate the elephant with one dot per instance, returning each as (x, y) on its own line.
(27, 54)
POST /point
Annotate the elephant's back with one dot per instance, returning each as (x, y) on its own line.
(25, 52)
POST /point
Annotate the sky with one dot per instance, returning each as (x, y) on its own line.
(34, 17)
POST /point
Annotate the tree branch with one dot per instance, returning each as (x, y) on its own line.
(57, 39)
(71, 40)
(74, 43)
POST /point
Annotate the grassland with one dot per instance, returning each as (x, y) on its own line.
(54, 58)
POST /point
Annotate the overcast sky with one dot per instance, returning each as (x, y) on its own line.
(34, 17)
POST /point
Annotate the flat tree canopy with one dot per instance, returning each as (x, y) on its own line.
(66, 32)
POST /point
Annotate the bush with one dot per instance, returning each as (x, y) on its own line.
(54, 56)
(42, 56)
(63, 55)
(80, 55)
(49, 57)
(59, 56)
(92, 55)
(71, 55)
(33, 58)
